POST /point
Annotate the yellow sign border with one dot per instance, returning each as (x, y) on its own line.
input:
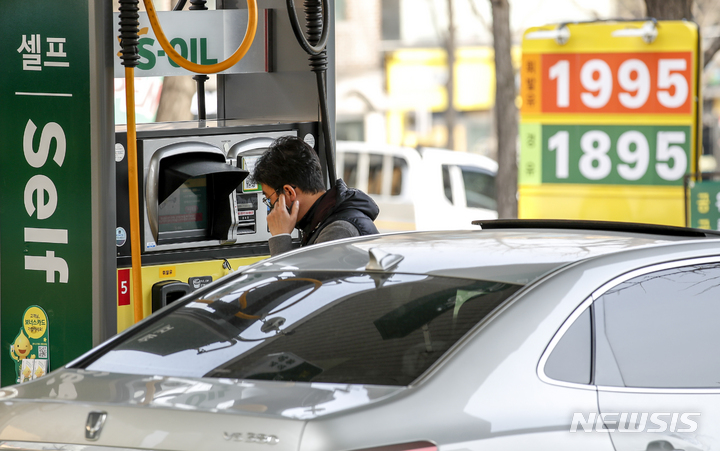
(597, 37)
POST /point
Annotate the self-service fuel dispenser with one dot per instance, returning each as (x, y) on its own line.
(202, 216)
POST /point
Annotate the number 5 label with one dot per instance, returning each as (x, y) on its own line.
(123, 287)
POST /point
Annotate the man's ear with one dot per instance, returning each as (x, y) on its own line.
(290, 194)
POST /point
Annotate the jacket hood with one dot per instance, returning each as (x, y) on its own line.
(351, 198)
(336, 200)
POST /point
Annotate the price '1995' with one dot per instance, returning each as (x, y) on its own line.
(617, 83)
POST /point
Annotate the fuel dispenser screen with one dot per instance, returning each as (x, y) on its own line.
(184, 212)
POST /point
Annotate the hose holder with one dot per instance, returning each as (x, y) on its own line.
(129, 32)
(318, 47)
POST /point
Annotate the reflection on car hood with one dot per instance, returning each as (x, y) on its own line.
(291, 400)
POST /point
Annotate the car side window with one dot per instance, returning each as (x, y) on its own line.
(398, 171)
(375, 174)
(447, 184)
(571, 359)
(660, 330)
(479, 188)
(350, 167)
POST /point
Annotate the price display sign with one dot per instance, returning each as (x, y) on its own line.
(608, 120)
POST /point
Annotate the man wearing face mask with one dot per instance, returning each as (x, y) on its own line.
(292, 183)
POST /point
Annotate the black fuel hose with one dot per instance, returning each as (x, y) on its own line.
(129, 32)
(200, 79)
(315, 45)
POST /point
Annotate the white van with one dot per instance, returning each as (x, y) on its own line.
(426, 189)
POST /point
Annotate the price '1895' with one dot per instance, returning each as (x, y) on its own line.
(652, 155)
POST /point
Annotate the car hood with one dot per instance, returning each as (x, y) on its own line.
(169, 412)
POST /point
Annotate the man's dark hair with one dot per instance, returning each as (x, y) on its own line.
(290, 161)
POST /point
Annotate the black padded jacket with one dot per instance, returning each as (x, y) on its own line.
(341, 212)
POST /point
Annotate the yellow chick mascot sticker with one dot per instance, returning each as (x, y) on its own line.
(21, 348)
(26, 372)
(30, 349)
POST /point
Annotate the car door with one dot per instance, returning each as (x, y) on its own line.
(471, 190)
(657, 361)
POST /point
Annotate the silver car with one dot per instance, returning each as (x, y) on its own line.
(546, 335)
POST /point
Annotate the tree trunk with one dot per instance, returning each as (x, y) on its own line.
(175, 99)
(669, 9)
(678, 10)
(506, 114)
(450, 116)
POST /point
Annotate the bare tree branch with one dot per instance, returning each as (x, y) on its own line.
(479, 17)
(669, 10)
(631, 8)
(706, 15)
(710, 51)
(450, 46)
(441, 34)
(506, 114)
(590, 11)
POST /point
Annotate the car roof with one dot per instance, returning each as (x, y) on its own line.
(506, 251)
(433, 154)
(363, 146)
(428, 154)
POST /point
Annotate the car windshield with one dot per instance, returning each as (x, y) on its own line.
(339, 327)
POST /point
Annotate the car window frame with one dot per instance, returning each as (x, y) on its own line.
(567, 324)
(589, 303)
(576, 317)
(387, 171)
(468, 168)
